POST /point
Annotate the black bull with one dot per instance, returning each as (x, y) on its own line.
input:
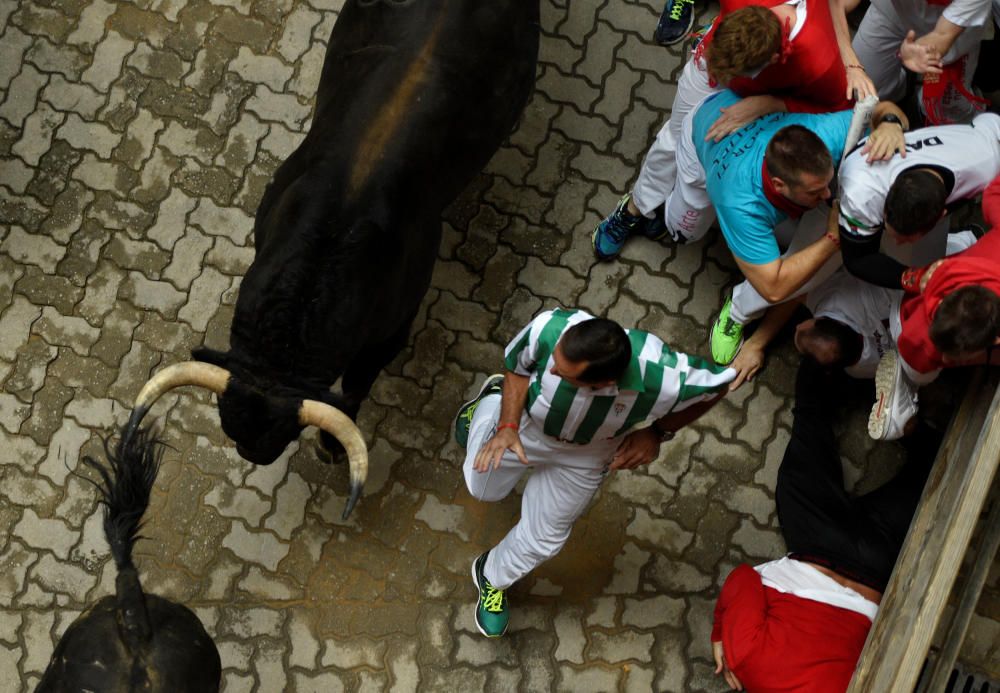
(414, 98)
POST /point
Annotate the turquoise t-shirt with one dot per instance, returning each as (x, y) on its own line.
(733, 172)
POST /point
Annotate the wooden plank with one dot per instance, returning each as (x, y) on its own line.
(971, 591)
(940, 532)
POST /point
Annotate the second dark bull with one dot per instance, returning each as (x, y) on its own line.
(414, 98)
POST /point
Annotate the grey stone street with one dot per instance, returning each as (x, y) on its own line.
(136, 139)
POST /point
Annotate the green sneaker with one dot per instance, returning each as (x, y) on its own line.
(492, 616)
(727, 336)
(492, 386)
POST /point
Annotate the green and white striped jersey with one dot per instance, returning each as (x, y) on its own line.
(656, 382)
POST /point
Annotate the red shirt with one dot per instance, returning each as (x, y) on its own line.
(779, 642)
(979, 264)
(810, 77)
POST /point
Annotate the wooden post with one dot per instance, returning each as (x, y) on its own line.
(942, 527)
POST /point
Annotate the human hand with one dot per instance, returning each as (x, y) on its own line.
(922, 58)
(722, 668)
(885, 141)
(639, 448)
(859, 84)
(746, 364)
(490, 454)
(732, 118)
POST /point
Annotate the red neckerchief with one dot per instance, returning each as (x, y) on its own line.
(781, 202)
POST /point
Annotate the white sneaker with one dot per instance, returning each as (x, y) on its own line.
(895, 400)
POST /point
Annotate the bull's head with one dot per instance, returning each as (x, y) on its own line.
(262, 423)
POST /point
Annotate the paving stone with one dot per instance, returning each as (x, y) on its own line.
(22, 94)
(590, 679)
(327, 682)
(355, 653)
(64, 578)
(619, 647)
(305, 647)
(16, 560)
(628, 563)
(262, 548)
(280, 108)
(38, 642)
(32, 249)
(204, 296)
(15, 43)
(109, 56)
(90, 27)
(571, 637)
(63, 453)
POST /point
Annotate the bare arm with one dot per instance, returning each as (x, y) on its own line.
(751, 356)
(779, 279)
(515, 389)
(858, 84)
(942, 36)
(642, 446)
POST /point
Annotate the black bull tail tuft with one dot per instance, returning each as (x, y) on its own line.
(125, 489)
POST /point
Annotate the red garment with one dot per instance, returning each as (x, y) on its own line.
(979, 264)
(810, 77)
(779, 642)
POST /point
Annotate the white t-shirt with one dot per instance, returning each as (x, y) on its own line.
(970, 151)
(802, 580)
(921, 15)
(863, 307)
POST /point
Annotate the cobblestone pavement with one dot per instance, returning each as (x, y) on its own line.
(135, 141)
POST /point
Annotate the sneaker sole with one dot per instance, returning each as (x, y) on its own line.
(479, 598)
(885, 376)
(486, 384)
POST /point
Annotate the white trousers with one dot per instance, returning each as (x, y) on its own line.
(672, 178)
(564, 478)
(878, 39)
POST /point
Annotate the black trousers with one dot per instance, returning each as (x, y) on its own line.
(857, 536)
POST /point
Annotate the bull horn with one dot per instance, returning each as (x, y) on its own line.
(340, 426)
(187, 373)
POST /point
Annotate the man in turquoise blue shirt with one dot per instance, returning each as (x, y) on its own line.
(775, 168)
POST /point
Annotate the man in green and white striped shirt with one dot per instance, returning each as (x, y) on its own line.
(576, 391)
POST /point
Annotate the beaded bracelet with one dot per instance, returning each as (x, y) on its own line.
(856, 67)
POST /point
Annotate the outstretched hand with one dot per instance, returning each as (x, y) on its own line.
(746, 364)
(918, 57)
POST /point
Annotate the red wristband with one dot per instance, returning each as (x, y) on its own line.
(508, 425)
(833, 238)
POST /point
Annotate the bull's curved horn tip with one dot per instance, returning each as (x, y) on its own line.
(356, 488)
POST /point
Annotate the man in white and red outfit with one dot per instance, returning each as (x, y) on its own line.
(804, 72)
(949, 316)
(800, 623)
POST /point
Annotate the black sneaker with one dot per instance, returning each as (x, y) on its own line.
(675, 22)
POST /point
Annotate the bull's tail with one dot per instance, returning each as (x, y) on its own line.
(125, 489)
